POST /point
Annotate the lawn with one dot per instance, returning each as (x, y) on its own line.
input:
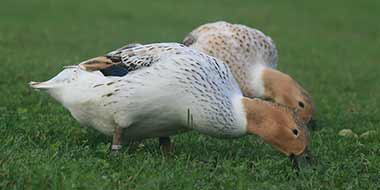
(330, 47)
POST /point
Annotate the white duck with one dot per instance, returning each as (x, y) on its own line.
(169, 89)
(252, 57)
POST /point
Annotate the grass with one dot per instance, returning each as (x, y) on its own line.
(331, 47)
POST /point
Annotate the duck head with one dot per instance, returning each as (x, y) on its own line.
(279, 126)
(281, 88)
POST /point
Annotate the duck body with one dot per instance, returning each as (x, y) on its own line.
(237, 44)
(252, 57)
(169, 89)
(247, 51)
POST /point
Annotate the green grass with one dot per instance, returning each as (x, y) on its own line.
(331, 47)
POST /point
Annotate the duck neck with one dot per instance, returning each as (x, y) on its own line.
(256, 83)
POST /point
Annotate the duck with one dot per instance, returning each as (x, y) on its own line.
(253, 58)
(164, 89)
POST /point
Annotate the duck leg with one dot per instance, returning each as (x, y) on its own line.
(166, 145)
(116, 141)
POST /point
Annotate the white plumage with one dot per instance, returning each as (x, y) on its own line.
(169, 89)
(158, 90)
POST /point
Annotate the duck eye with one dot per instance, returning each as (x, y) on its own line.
(295, 132)
(301, 104)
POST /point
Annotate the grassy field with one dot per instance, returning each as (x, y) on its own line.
(330, 47)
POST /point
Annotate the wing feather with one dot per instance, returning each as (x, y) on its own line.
(130, 58)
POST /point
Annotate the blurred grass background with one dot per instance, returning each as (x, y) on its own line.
(330, 47)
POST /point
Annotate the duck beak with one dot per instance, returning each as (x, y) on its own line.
(312, 124)
(303, 160)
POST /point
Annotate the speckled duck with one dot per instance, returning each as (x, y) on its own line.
(159, 90)
(252, 57)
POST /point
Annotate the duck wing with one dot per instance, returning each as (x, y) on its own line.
(130, 58)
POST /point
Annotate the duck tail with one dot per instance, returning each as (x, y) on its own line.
(41, 85)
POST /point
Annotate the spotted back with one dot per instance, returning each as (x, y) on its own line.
(235, 44)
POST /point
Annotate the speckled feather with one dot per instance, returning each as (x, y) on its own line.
(168, 88)
(234, 43)
(208, 81)
(239, 46)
